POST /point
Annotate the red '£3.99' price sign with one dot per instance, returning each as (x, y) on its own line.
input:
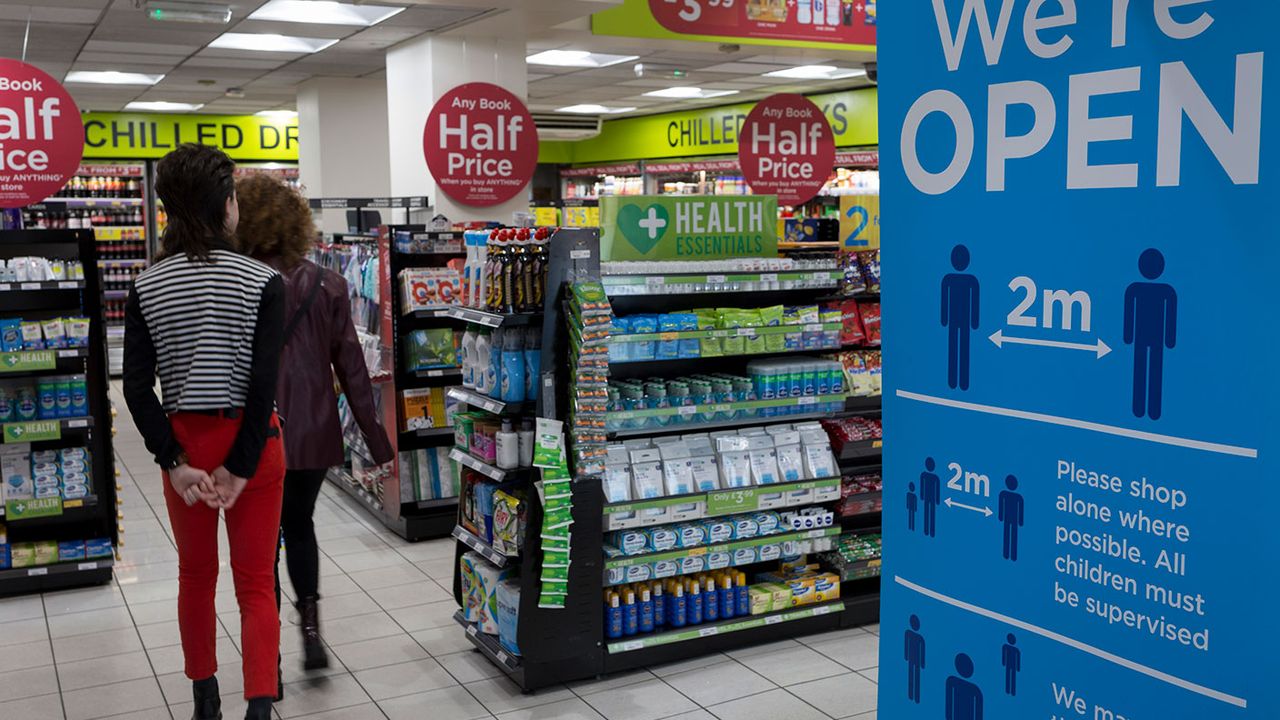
(41, 134)
(786, 148)
(838, 21)
(481, 145)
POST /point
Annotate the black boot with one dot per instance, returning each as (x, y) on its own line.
(259, 709)
(208, 702)
(315, 657)
(279, 678)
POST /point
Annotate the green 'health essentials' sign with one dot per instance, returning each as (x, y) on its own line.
(34, 431)
(27, 509)
(27, 361)
(665, 227)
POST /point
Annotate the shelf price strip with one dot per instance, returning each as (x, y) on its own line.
(722, 547)
(726, 407)
(480, 546)
(727, 333)
(723, 628)
(481, 467)
(729, 501)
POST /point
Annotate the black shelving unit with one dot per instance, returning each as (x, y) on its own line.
(95, 516)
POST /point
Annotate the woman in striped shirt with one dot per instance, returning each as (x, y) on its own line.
(208, 321)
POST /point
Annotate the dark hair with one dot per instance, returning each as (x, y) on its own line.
(275, 221)
(194, 183)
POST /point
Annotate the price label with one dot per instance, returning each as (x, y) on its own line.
(747, 332)
(773, 620)
(29, 286)
(813, 327)
(68, 353)
(67, 285)
(87, 566)
(807, 400)
(716, 278)
(688, 409)
(668, 336)
(708, 632)
(720, 408)
(823, 610)
(78, 423)
(632, 645)
(579, 254)
(37, 571)
(502, 657)
(652, 280)
(471, 630)
(815, 534)
(769, 277)
(5, 287)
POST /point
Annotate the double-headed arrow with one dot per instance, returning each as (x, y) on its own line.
(1099, 347)
(982, 510)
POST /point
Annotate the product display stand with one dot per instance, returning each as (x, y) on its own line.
(564, 643)
(570, 643)
(58, 519)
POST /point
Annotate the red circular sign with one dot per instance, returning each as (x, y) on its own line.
(41, 134)
(786, 148)
(481, 145)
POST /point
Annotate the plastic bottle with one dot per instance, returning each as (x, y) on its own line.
(519, 269)
(659, 605)
(677, 606)
(804, 11)
(743, 595)
(480, 360)
(525, 441)
(468, 357)
(532, 361)
(513, 382)
(493, 272)
(728, 596)
(695, 603)
(630, 614)
(612, 616)
(493, 364)
(833, 12)
(645, 611)
(508, 447)
(710, 600)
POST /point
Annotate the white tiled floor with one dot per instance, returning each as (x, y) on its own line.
(113, 651)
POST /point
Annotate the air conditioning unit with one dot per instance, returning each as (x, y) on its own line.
(553, 126)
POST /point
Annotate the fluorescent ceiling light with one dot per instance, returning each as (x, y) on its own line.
(282, 114)
(577, 58)
(270, 42)
(817, 72)
(191, 12)
(163, 106)
(685, 92)
(111, 77)
(324, 12)
(589, 109)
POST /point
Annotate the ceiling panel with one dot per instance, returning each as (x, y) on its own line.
(311, 30)
(141, 48)
(50, 13)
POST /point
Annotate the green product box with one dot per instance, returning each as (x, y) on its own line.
(46, 552)
(22, 555)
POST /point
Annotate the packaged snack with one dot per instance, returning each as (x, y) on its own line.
(870, 313)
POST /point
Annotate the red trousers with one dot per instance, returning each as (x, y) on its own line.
(253, 531)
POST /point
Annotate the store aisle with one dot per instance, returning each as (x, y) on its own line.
(113, 651)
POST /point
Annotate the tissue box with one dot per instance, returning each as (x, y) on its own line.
(469, 586)
(488, 578)
(508, 614)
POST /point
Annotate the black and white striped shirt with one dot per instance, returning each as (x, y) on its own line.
(210, 330)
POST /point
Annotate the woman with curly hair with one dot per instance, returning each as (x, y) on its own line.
(319, 339)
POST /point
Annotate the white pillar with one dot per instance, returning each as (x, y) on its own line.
(420, 71)
(343, 148)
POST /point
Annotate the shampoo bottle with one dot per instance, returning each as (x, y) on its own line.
(508, 447)
(525, 441)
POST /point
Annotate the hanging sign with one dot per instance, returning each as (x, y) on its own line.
(690, 227)
(1082, 512)
(859, 222)
(41, 135)
(786, 148)
(826, 24)
(481, 144)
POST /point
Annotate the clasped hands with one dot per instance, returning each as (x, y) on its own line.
(218, 489)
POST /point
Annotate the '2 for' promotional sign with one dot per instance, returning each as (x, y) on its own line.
(41, 135)
(481, 145)
(1079, 517)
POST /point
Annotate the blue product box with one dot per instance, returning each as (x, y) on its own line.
(71, 551)
(98, 548)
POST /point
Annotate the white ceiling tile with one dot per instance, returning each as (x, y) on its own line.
(141, 48)
(50, 13)
(296, 29)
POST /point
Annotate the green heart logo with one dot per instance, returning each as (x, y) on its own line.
(643, 227)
